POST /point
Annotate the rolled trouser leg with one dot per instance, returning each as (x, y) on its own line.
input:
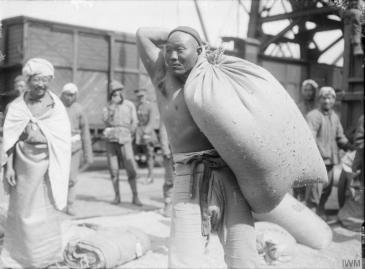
(302, 223)
(115, 183)
(186, 241)
(131, 168)
(237, 234)
(326, 192)
(150, 159)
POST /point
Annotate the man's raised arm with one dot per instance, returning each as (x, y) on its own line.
(149, 41)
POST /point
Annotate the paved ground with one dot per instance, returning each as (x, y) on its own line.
(93, 205)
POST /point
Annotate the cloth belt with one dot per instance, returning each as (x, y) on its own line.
(210, 161)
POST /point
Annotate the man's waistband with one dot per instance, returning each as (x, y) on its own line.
(183, 161)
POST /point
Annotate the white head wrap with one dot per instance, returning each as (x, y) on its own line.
(327, 90)
(70, 87)
(310, 82)
(38, 66)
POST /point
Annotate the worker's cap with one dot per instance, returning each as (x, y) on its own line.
(38, 66)
(310, 82)
(70, 88)
(187, 30)
(140, 92)
(115, 86)
(324, 91)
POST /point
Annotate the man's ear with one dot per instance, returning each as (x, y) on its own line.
(199, 50)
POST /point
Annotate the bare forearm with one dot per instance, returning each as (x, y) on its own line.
(156, 35)
(9, 161)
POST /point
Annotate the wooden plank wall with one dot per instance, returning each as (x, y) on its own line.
(89, 58)
(289, 75)
(52, 44)
(13, 46)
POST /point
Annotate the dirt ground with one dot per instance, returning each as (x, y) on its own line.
(93, 206)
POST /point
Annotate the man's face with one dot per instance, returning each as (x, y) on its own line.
(38, 85)
(181, 53)
(20, 86)
(308, 92)
(68, 98)
(117, 97)
(327, 102)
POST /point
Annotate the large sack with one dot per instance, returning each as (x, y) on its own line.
(302, 223)
(255, 126)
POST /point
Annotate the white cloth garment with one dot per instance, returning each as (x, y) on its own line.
(55, 126)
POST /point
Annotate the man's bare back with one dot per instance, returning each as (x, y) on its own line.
(184, 135)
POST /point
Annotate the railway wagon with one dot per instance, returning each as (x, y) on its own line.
(89, 57)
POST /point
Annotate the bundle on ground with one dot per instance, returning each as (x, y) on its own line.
(106, 248)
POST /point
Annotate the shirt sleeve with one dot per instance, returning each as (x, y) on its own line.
(341, 139)
(85, 137)
(105, 115)
(134, 120)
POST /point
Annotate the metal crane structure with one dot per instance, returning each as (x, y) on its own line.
(304, 19)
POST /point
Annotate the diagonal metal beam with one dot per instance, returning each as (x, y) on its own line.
(279, 35)
(243, 6)
(201, 20)
(337, 58)
(331, 45)
(308, 12)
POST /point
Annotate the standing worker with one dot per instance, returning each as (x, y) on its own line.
(308, 103)
(121, 122)
(328, 133)
(145, 135)
(308, 92)
(37, 143)
(80, 139)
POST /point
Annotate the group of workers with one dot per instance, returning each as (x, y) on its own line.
(44, 137)
(318, 107)
(129, 129)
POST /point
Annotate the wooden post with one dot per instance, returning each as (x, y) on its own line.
(111, 57)
(25, 48)
(254, 23)
(75, 55)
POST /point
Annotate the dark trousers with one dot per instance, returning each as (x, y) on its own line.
(118, 154)
(318, 194)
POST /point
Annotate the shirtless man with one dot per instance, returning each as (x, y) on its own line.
(198, 204)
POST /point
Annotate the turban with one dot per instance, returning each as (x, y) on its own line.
(310, 82)
(38, 66)
(187, 30)
(116, 85)
(327, 90)
(70, 87)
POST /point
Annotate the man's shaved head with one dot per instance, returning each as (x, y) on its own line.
(187, 30)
